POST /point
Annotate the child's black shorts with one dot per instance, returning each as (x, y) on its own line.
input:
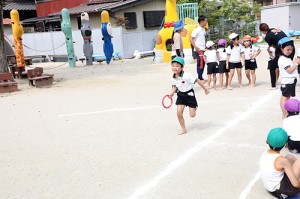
(212, 67)
(286, 188)
(250, 65)
(289, 90)
(293, 144)
(299, 69)
(222, 67)
(235, 65)
(273, 63)
(187, 98)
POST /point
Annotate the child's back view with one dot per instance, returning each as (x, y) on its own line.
(279, 174)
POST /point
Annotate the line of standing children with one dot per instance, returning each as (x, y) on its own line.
(251, 52)
(211, 58)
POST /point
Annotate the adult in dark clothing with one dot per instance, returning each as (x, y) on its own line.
(272, 36)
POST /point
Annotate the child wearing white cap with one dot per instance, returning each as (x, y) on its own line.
(279, 174)
(211, 58)
(235, 59)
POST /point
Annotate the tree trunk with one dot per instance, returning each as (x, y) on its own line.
(3, 61)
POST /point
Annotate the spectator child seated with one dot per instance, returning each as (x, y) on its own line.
(279, 174)
(291, 124)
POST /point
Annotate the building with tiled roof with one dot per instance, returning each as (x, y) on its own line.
(133, 15)
(26, 8)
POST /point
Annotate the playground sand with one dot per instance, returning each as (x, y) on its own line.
(101, 132)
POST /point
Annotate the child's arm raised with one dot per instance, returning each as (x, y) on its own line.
(202, 86)
(284, 163)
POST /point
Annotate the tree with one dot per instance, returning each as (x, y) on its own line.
(227, 16)
(3, 62)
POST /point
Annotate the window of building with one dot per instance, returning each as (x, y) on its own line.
(153, 18)
(130, 17)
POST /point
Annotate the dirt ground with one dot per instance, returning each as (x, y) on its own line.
(101, 132)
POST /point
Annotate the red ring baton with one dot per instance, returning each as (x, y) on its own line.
(163, 101)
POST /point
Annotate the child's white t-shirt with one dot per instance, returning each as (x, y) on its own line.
(211, 56)
(222, 54)
(287, 78)
(292, 125)
(185, 82)
(235, 53)
(250, 51)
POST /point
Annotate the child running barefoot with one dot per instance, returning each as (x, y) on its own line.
(183, 84)
(210, 58)
(251, 52)
(222, 62)
(279, 174)
(235, 59)
(288, 70)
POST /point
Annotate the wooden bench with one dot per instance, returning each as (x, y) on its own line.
(7, 83)
(17, 71)
(38, 78)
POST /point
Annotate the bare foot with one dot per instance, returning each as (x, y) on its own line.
(182, 132)
(229, 87)
(240, 85)
(249, 83)
(252, 85)
(221, 88)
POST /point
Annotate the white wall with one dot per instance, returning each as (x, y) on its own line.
(50, 43)
(295, 17)
(284, 16)
(42, 43)
(276, 17)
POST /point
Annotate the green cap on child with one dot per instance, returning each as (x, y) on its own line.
(277, 138)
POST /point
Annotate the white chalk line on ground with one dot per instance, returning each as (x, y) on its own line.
(110, 110)
(132, 109)
(247, 190)
(190, 152)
